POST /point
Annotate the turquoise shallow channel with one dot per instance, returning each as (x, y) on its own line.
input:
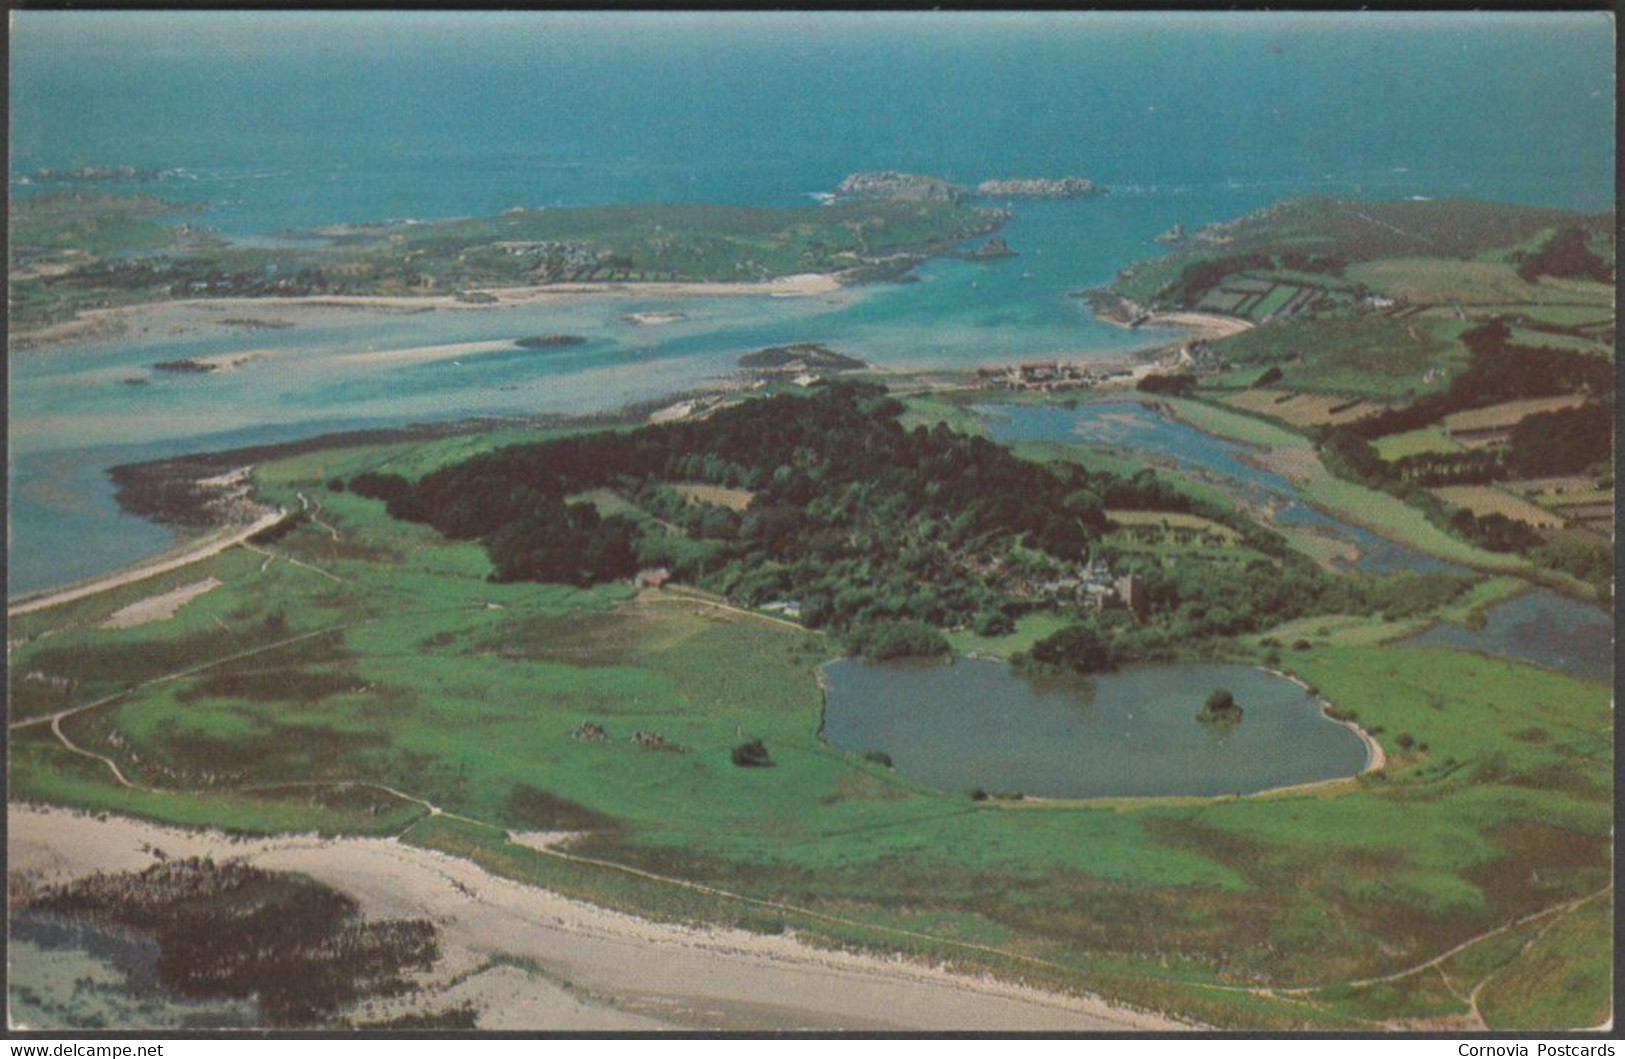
(977, 724)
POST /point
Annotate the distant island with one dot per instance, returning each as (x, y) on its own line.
(798, 358)
(1040, 188)
(891, 185)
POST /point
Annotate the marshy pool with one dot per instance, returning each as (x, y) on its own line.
(1539, 626)
(980, 724)
(1132, 426)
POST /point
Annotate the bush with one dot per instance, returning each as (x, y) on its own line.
(879, 757)
(1176, 385)
(752, 755)
(1079, 648)
(881, 641)
(1219, 700)
(993, 623)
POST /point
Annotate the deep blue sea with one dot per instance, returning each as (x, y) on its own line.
(292, 119)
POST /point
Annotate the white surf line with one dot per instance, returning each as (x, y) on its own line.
(130, 577)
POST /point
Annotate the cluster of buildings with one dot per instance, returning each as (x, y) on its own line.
(1097, 587)
(1050, 375)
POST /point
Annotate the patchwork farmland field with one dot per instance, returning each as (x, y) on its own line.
(1304, 409)
(1488, 500)
(1508, 414)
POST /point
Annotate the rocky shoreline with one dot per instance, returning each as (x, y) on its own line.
(1040, 188)
(892, 185)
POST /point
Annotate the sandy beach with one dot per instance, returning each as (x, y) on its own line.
(1208, 326)
(212, 545)
(531, 959)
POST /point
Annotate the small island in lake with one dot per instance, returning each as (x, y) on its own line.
(1220, 708)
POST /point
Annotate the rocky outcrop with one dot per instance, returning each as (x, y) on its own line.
(995, 249)
(1174, 236)
(1040, 188)
(901, 187)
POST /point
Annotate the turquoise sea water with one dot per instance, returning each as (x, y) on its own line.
(293, 119)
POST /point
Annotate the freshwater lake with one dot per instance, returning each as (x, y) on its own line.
(979, 724)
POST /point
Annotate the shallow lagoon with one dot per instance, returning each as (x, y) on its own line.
(1131, 425)
(980, 724)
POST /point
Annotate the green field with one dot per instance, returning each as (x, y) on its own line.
(1415, 442)
(1361, 356)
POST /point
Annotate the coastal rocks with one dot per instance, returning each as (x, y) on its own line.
(298, 948)
(995, 249)
(1174, 236)
(1113, 308)
(1040, 188)
(891, 185)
